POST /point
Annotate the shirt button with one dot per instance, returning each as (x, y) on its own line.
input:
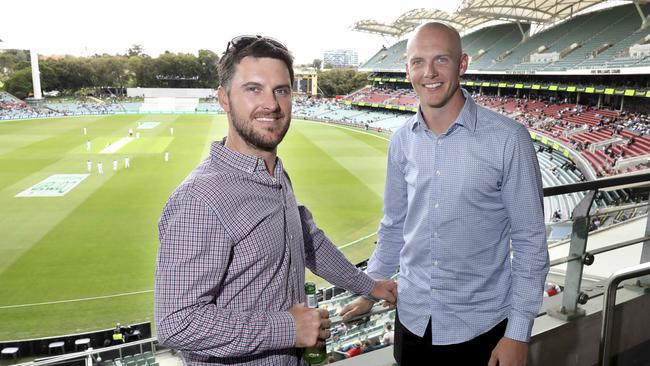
(435, 235)
(439, 141)
(436, 205)
(438, 172)
(435, 263)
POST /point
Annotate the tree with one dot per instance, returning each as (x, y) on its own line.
(177, 70)
(317, 63)
(135, 51)
(209, 64)
(20, 83)
(144, 72)
(108, 71)
(72, 74)
(11, 60)
(341, 81)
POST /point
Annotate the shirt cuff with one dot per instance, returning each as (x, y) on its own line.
(282, 330)
(519, 328)
(359, 284)
(371, 298)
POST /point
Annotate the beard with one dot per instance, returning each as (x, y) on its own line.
(252, 136)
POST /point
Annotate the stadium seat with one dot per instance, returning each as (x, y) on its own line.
(58, 345)
(81, 343)
(10, 351)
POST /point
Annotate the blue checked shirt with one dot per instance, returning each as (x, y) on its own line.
(456, 207)
(233, 249)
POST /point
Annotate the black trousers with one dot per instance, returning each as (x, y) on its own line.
(410, 349)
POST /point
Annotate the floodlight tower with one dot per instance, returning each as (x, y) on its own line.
(36, 75)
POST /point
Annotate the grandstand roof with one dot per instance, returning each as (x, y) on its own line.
(536, 11)
(473, 13)
(412, 18)
(373, 26)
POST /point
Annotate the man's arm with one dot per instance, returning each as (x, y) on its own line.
(324, 259)
(390, 239)
(524, 200)
(192, 260)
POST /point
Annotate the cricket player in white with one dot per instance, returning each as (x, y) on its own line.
(89, 165)
(114, 165)
(100, 168)
(127, 163)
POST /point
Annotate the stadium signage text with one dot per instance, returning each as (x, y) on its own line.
(606, 71)
(56, 185)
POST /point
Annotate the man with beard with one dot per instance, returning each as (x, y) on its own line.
(463, 221)
(234, 242)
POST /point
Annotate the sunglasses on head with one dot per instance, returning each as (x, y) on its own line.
(241, 42)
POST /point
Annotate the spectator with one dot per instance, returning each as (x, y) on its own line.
(389, 336)
(355, 350)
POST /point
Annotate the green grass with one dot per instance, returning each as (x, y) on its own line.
(101, 238)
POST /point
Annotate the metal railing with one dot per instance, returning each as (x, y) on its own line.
(91, 356)
(578, 256)
(609, 303)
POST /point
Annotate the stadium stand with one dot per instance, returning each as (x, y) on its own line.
(600, 39)
(486, 46)
(389, 59)
(69, 107)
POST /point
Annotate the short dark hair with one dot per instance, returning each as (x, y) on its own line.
(254, 46)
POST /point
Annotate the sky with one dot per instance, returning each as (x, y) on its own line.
(85, 28)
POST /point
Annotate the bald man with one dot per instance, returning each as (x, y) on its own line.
(463, 196)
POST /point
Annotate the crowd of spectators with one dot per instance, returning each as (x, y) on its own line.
(385, 95)
(366, 345)
(330, 110)
(14, 108)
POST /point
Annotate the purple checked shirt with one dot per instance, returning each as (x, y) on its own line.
(234, 244)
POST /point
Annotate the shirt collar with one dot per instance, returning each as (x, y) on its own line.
(466, 117)
(246, 163)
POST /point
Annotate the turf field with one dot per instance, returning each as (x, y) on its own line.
(85, 260)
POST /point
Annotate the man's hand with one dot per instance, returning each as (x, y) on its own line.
(509, 352)
(359, 306)
(312, 326)
(385, 289)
